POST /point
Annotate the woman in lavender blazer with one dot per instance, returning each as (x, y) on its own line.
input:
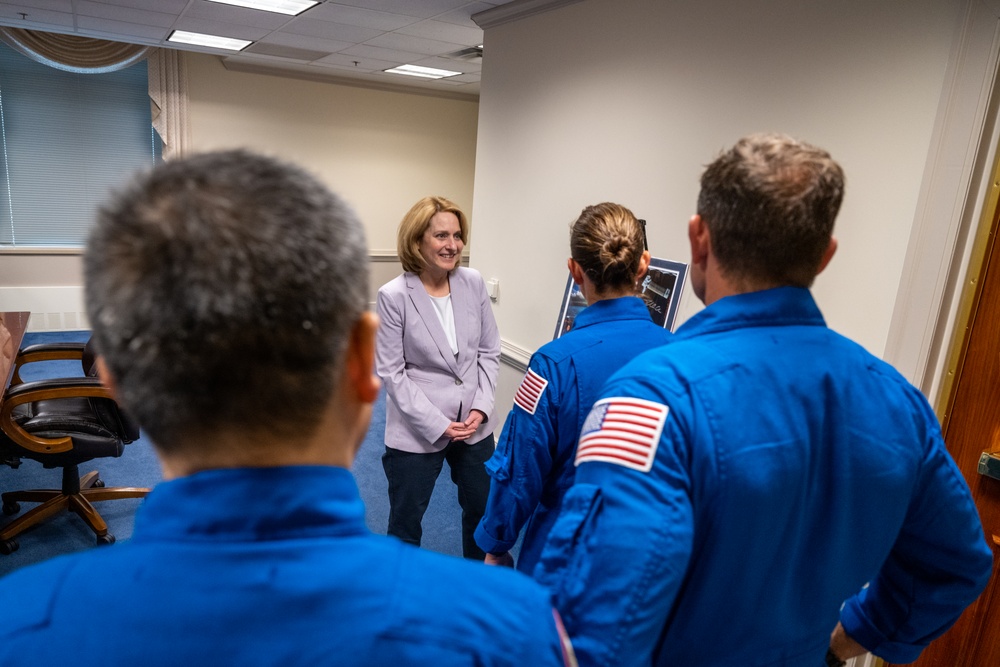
(438, 353)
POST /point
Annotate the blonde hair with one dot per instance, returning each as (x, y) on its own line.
(415, 223)
(607, 242)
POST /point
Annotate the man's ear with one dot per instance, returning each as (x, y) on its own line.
(359, 366)
(700, 239)
(575, 270)
(828, 254)
(107, 379)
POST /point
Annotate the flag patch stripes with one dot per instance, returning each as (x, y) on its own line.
(624, 431)
(530, 392)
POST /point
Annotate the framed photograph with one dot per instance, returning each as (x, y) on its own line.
(660, 289)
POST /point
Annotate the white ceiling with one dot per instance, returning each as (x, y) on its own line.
(352, 40)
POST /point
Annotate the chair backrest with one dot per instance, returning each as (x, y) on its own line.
(89, 359)
(110, 413)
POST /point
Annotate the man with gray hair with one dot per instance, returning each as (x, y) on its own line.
(228, 296)
(738, 488)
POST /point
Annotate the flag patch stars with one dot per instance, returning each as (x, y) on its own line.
(530, 392)
(624, 431)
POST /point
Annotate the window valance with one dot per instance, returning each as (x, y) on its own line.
(73, 53)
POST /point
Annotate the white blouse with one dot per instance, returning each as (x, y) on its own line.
(446, 315)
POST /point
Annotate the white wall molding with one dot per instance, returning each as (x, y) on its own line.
(519, 9)
(11, 250)
(379, 256)
(514, 356)
(390, 256)
(950, 201)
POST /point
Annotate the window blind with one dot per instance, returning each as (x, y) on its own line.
(67, 140)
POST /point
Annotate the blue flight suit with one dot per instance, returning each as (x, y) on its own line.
(533, 464)
(269, 566)
(736, 487)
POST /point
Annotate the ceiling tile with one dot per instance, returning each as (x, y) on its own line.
(28, 6)
(444, 32)
(428, 47)
(392, 55)
(329, 30)
(172, 6)
(281, 51)
(37, 19)
(125, 14)
(365, 18)
(304, 42)
(420, 8)
(120, 30)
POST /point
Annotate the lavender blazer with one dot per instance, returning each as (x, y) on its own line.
(425, 382)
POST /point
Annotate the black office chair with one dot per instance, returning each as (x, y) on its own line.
(61, 423)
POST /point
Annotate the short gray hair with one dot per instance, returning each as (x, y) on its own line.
(222, 290)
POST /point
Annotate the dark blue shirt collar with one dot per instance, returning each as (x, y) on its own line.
(606, 310)
(785, 306)
(250, 504)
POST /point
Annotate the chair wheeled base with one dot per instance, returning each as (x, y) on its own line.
(76, 495)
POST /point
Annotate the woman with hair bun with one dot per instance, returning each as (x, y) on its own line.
(532, 467)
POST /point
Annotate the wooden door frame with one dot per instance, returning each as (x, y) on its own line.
(956, 183)
(972, 291)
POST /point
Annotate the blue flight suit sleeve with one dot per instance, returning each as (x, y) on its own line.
(617, 555)
(522, 461)
(938, 565)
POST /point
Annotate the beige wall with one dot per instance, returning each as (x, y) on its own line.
(40, 270)
(634, 98)
(380, 150)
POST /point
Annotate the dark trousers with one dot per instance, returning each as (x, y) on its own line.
(411, 481)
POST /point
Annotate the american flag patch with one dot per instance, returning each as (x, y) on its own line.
(530, 391)
(622, 430)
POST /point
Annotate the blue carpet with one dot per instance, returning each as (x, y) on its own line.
(138, 467)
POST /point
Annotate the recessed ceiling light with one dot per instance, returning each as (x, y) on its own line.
(425, 72)
(289, 7)
(213, 41)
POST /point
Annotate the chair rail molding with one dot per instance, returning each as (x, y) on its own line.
(514, 355)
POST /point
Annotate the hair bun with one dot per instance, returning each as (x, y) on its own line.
(607, 241)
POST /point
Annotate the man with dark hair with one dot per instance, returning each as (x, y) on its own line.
(738, 488)
(227, 294)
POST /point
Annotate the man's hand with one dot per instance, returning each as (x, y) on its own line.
(842, 646)
(503, 560)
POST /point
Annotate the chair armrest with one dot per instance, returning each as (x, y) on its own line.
(45, 352)
(29, 392)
